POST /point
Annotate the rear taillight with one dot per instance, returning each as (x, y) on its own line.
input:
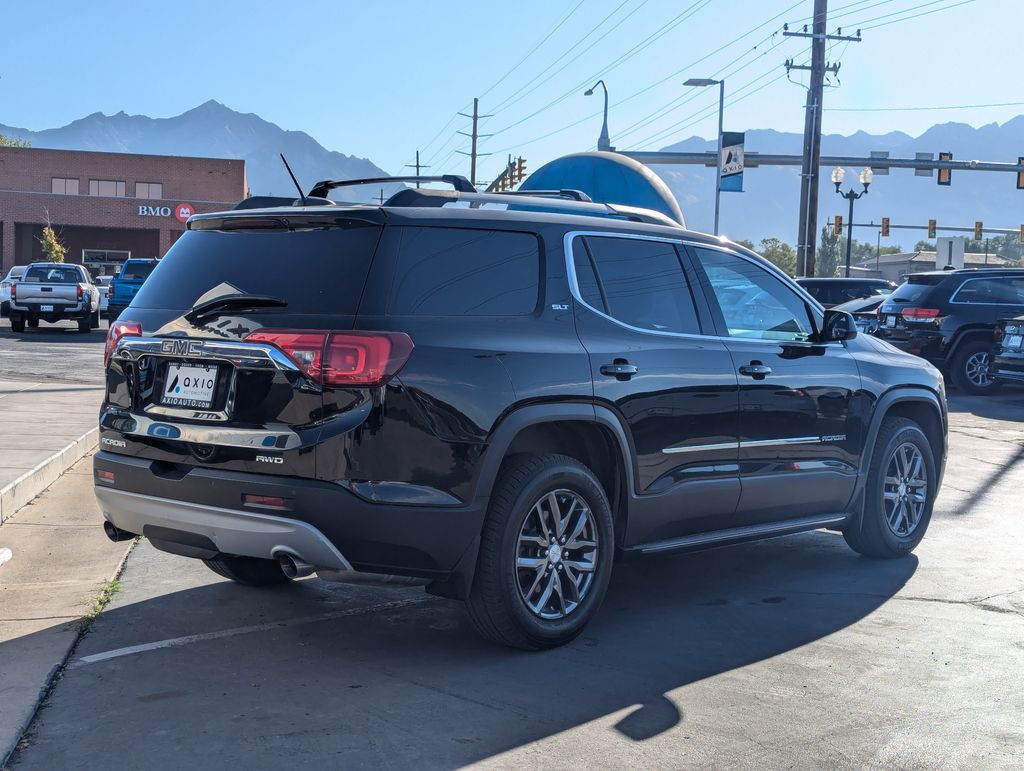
(14, 291)
(79, 287)
(341, 358)
(920, 314)
(119, 329)
(999, 331)
(110, 291)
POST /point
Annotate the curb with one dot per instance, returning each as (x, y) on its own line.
(34, 481)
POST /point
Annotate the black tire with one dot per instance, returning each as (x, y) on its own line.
(248, 571)
(965, 368)
(17, 325)
(33, 323)
(94, 320)
(871, 534)
(85, 325)
(496, 605)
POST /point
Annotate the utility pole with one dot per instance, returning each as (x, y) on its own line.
(808, 227)
(416, 166)
(474, 136)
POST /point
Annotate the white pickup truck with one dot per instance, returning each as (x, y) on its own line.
(51, 292)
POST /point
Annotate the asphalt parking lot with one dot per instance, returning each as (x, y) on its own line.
(53, 352)
(793, 652)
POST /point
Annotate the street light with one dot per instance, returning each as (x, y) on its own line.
(603, 142)
(838, 174)
(702, 83)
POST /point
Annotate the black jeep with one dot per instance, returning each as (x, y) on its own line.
(496, 395)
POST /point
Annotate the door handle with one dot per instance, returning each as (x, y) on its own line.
(756, 370)
(622, 370)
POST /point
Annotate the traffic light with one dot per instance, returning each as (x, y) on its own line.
(1020, 174)
(520, 169)
(838, 227)
(931, 228)
(885, 227)
(978, 230)
(1022, 234)
(945, 175)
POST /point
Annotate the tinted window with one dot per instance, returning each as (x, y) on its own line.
(915, 288)
(754, 302)
(1004, 290)
(138, 271)
(314, 271)
(643, 284)
(53, 275)
(461, 272)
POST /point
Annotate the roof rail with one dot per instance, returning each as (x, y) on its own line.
(575, 195)
(321, 189)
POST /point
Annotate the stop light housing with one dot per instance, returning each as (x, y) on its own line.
(838, 225)
(1022, 234)
(978, 230)
(945, 175)
(885, 227)
(931, 228)
(1020, 174)
(520, 169)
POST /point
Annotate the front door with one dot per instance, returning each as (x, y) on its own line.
(673, 388)
(799, 424)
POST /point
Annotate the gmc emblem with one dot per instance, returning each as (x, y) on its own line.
(182, 347)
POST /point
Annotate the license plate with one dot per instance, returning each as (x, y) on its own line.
(189, 386)
(1012, 341)
(890, 322)
(46, 309)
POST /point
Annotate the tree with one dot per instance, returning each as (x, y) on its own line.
(924, 246)
(826, 259)
(780, 253)
(746, 242)
(14, 142)
(53, 249)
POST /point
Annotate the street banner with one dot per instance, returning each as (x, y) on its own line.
(732, 161)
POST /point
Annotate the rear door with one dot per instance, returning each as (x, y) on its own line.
(800, 426)
(673, 387)
(216, 388)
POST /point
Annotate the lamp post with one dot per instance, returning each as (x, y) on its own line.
(703, 82)
(838, 173)
(603, 142)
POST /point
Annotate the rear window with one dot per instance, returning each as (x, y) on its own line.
(56, 274)
(315, 271)
(139, 271)
(462, 272)
(915, 288)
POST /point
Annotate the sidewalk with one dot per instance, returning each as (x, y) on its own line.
(44, 429)
(60, 563)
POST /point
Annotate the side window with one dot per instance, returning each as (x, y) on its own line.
(642, 283)
(461, 272)
(586, 278)
(992, 291)
(755, 303)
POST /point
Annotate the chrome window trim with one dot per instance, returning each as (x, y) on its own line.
(574, 289)
(954, 301)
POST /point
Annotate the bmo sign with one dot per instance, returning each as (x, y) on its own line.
(181, 212)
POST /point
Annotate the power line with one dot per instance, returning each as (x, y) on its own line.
(910, 109)
(915, 16)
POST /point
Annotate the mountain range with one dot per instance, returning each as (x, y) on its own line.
(768, 207)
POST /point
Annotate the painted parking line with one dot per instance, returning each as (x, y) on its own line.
(175, 642)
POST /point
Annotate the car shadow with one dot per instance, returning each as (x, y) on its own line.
(334, 671)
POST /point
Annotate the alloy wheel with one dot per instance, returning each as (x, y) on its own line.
(976, 370)
(556, 555)
(905, 491)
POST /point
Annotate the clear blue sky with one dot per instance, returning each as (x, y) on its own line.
(379, 79)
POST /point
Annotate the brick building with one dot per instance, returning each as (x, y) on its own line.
(106, 207)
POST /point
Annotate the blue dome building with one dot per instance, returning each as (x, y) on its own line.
(607, 178)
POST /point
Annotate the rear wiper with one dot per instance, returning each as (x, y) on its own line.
(233, 302)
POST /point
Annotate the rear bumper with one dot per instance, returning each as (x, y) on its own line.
(323, 523)
(32, 310)
(1008, 367)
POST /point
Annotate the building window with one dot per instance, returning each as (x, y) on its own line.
(106, 188)
(105, 256)
(64, 186)
(149, 190)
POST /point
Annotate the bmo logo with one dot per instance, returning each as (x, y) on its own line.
(181, 212)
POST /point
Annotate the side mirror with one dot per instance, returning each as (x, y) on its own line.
(838, 325)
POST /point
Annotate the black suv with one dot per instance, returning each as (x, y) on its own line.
(836, 291)
(495, 396)
(949, 318)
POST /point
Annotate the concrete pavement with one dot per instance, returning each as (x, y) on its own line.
(788, 653)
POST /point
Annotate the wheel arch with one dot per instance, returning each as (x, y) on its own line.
(968, 335)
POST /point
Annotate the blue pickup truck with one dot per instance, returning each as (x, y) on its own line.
(125, 285)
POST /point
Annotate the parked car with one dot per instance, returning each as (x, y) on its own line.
(53, 292)
(1007, 363)
(949, 317)
(13, 275)
(835, 291)
(864, 312)
(496, 402)
(126, 284)
(103, 284)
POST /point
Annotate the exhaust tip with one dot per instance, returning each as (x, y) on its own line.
(292, 567)
(115, 533)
